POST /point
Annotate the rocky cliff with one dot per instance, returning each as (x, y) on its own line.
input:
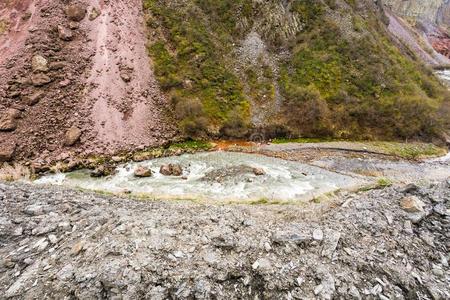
(431, 17)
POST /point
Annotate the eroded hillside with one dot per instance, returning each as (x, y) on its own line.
(87, 77)
(309, 68)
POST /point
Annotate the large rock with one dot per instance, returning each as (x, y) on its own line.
(39, 64)
(7, 151)
(72, 136)
(76, 12)
(412, 204)
(171, 170)
(8, 119)
(142, 172)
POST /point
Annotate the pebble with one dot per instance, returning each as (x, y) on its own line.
(318, 234)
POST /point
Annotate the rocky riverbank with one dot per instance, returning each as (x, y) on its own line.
(390, 243)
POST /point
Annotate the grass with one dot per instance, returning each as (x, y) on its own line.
(304, 140)
(381, 183)
(408, 150)
(191, 145)
(364, 87)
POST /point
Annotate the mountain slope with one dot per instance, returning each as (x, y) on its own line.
(309, 68)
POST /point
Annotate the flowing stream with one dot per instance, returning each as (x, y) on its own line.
(444, 75)
(215, 176)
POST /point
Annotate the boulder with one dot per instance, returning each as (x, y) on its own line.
(412, 204)
(8, 119)
(40, 79)
(72, 136)
(142, 172)
(64, 33)
(39, 64)
(171, 170)
(259, 171)
(76, 12)
(176, 170)
(7, 151)
(102, 171)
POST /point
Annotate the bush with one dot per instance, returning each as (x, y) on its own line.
(235, 126)
(193, 122)
(307, 113)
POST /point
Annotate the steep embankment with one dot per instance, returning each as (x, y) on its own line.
(310, 68)
(431, 18)
(76, 79)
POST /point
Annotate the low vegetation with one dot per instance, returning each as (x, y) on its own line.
(336, 76)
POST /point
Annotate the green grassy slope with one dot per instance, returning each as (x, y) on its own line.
(325, 68)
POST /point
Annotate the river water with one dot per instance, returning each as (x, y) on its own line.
(444, 75)
(215, 176)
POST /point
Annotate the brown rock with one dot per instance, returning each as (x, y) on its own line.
(165, 170)
(8, 119)
(34, 98)
(72, 136)
(259, 172)
(64, 33)
(171, 170)
(39, 64)
(94, 14)
(78, 247)
(412, 204)
(102, 171)
(76, 12)
(142, 172)
(176, 170)
(7, 151)
(40, 79)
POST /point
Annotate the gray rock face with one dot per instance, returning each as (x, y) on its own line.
(60, 243)
(435, 11)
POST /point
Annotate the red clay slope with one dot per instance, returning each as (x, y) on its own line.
(76, 84)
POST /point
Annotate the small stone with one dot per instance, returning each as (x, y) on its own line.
(410, 188)
(39, 64)
(8, 119)
(7, 150)
(76, 12)
(72, 136)
(64, 33)
(412, 204)
(125, 77)
(427, 238)
(40, 79)
(331, 243)
(142, 172)
(178, 254)
(78, 247)
(94, 14)
(171, 170)
(52, 238)
(318, 289)
(407, 227)
(259, 171)
(34, 98)
(18, 231)
(318, 234)
(267, 246)
(263, 266)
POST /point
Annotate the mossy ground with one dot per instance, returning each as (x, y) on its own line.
(335, 82)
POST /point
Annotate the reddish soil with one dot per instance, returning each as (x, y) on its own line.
(97, 78)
